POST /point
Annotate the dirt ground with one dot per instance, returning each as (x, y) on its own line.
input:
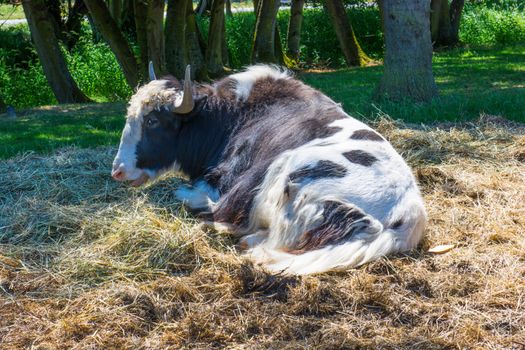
(87, 263)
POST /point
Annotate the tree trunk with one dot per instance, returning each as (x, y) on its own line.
(140, 8)
(263, 49)
(354, 55)
(456, 8)
(444, 22)
(224, 45)
(74, 23)
(194, 50)
(203, 6)
(278, 49)
(116, 40)
(115, 8)
(294, 29)
(214, 60)
(435, 15)
(51, 58)
(229, 12)
(408, 52)
(175, 32)
(155, 30)
(127, 19)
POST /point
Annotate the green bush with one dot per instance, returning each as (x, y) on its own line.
(23, 83)
(487, 26)
(95, 69)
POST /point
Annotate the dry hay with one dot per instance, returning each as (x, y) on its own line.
(87, 263)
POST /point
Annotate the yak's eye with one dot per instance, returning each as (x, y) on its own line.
(151, 122)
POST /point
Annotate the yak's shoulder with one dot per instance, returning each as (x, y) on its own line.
(263, 85)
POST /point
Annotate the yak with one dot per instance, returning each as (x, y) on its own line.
(305, 187)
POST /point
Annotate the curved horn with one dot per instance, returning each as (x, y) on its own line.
(151, 71)
(186, 106)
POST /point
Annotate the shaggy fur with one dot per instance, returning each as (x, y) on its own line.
(309, 188)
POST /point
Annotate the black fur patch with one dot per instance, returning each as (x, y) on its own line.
(360, 157)
(156, 147)
(364, 134)
(340, 221)
(323, 169)
(397, 224)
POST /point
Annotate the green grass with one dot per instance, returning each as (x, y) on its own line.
(471, 82)
(47, 128)
(11, 12)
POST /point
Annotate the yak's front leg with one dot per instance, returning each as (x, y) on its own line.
(199, 197)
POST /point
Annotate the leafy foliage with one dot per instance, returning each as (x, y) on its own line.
(94, 67)
(488, 26)
(22, 80)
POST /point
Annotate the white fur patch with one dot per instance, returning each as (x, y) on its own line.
(246, 79)
(201, 195)
(385, 191)
(150, 97)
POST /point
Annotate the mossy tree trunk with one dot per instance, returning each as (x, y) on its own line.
(140, 9)
(195, 52)
(294, 29)
(155, 33)
(354, 54)
(214, 52)
(116, 40)
(444, 21)
(263, 48)
(408, 51)
(46, 43)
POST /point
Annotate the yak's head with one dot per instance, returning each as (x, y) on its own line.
(155, 116)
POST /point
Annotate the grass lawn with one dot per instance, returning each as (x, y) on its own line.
(11, 12)
(471, 82)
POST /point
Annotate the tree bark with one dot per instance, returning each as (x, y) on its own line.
(155, 33)
(263, 49)
(74, 23)
(175, 32)
(116, 40)
(456, 8)
(214, 60)
(140, 9)
(354, 55)
(229, 12)
(115, 8)
(294, 29)
(444, 21)
(203, 6)
(408, 52)
(195, 52)
(53, 63)
(224, 45)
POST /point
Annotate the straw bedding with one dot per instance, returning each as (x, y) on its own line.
(88, 263)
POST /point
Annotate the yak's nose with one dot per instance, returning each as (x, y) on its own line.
(118, 174)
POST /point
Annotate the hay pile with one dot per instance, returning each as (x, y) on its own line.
(87, 263)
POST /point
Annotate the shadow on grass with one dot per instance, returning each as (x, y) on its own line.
(470, 82)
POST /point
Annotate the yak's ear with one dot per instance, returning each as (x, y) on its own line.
(200, 102)
(151, 70)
